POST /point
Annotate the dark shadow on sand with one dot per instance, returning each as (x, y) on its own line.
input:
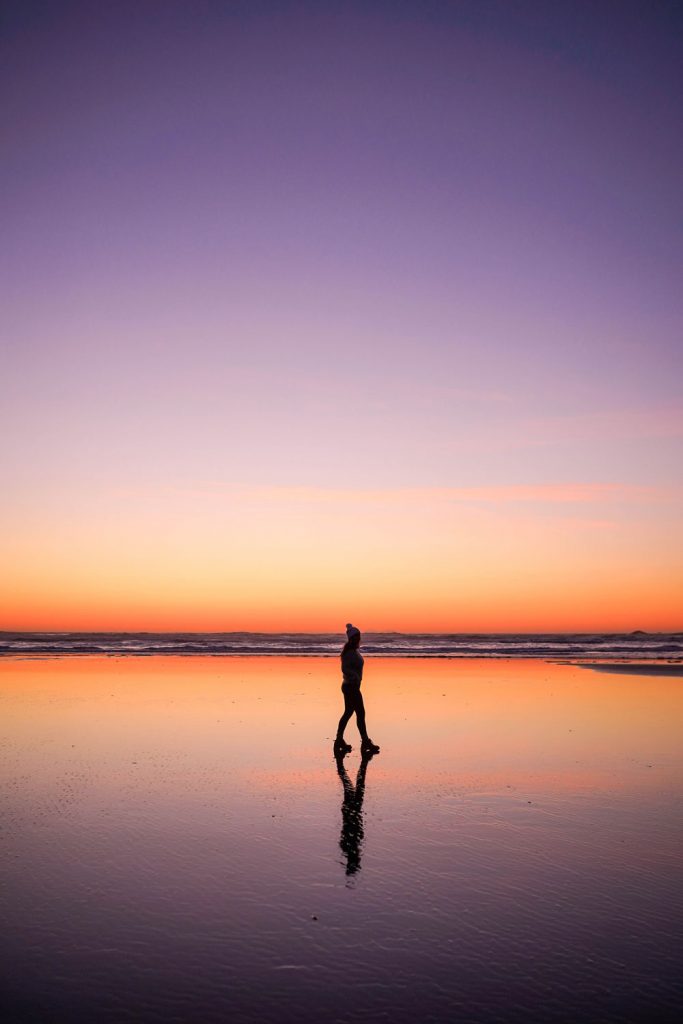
(637, 670)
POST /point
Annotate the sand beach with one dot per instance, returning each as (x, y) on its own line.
(181, 845)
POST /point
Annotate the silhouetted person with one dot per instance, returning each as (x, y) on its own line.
(351, 838)
(352, 672)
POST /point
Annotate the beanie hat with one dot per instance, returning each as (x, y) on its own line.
(351, 631)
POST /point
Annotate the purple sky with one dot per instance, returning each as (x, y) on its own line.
(377, 245)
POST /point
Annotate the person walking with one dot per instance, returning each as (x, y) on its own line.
(352, 662)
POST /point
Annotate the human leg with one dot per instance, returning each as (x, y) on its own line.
(359, 708)
(366, 743)
(349, 709)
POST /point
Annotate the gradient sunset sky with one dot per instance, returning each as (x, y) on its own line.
(318, 312)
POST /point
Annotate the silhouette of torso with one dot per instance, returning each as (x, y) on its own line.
(352, 667)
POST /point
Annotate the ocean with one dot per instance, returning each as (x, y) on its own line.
(608, 646)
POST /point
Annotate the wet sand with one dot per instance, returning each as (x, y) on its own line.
(179, 843)
(637, 669)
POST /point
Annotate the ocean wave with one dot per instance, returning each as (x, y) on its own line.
(651, 646)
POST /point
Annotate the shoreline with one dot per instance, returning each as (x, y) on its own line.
(627, 666)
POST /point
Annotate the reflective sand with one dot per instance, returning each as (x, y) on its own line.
(180, 844)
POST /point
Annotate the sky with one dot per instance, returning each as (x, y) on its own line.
(327, 312)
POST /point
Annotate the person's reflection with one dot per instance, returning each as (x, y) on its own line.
(351, 838)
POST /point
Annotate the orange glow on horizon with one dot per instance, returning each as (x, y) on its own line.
(554, 559)
(619, 603)
(609, 606)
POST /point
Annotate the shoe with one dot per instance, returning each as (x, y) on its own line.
(342, 747)
(368, 747)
